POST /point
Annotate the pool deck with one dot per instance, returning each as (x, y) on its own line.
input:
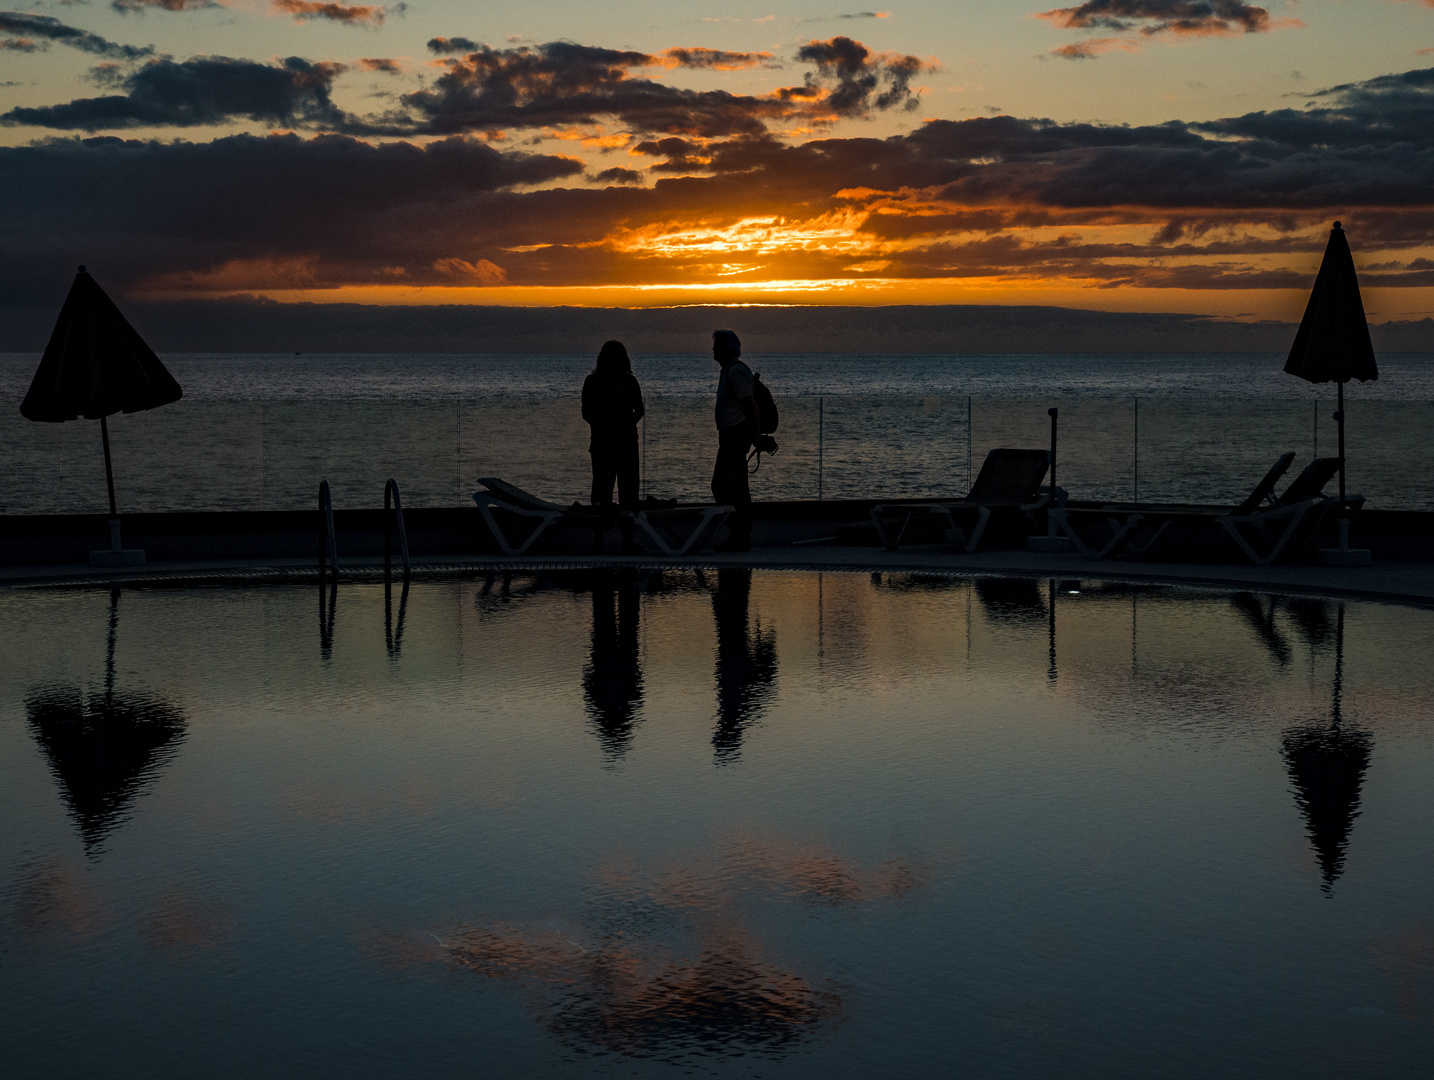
(1407, 582)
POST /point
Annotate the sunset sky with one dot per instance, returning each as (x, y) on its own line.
(1130, 155)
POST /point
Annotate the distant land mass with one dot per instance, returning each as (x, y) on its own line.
(264, 326)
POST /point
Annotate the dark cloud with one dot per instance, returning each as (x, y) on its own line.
(206, 90)
(28, 45)
(1239, 203)
(28, 28)
(856, 75)
(128, 6)
(1197, 18)
(560, 84)
(263, 210)
(347, 14)
(443, 46)
(716, 59)
(619, 175)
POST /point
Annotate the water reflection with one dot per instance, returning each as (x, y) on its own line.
(746, 664)
(612, 678)
(104, 749)
(1259, 614)
(1016, 601)
(393, 636)
(668, 964)
(1326, 764)
(328, 605)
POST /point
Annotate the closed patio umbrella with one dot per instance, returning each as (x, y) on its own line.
(94, 366)
(1332, 345)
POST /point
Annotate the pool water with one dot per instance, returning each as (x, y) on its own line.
(721, 823)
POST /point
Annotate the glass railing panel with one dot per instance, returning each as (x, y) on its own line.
(541, 445)
(190, 455)
(1095, 454)
(1215, 450)
(1389, 458)
(357, 446)
(894, 447)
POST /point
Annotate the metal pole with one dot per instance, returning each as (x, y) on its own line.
(1343, 517)
(970, 472)
(1136, 451)
(1053, 412)
(109, 484)
(821, 443)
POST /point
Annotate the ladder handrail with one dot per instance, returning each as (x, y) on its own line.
(393, 511)
(326, 531)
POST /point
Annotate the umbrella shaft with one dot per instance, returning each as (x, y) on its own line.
(110, 473)
(1341, 449)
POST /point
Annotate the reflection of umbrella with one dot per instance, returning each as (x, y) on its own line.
(96, 365)
(104, 749)
(1332, 344)
(1326, 764)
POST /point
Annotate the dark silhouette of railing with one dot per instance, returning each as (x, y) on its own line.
(393, 513)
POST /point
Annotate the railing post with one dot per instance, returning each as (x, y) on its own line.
(327, 548)
(393, 512)
(821, 442)
(1135, 452)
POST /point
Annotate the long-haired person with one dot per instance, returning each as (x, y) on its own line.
(612, 406)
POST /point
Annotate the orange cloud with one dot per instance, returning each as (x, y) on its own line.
(350, 15)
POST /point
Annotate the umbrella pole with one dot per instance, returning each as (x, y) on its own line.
(1343, 516)
(110, 483)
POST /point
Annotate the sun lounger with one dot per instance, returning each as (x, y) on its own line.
(676, 529)
(663, 526)
(513, 501)
(1264, 526)
(1009, 484)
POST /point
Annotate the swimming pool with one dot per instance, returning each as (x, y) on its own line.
(736, 822)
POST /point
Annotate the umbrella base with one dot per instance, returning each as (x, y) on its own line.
(1343, 556)
(117, 557)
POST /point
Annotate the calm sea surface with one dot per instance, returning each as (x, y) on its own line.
(726, 824)
(258, 432)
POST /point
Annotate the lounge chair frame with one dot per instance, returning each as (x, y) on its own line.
(1264, 527)
(513, 500)
(658, 526)
(990, 494)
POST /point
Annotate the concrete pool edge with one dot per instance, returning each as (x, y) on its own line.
(1401, 582)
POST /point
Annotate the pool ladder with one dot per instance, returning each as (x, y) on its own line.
(392, 518)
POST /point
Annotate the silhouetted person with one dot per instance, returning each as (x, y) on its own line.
(736, 434)
(746, 664)
(612, 681)
(612, 406)
(1327, 766)
(103, 749)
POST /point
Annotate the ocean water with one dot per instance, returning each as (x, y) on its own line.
(259, 432)
(726, 824)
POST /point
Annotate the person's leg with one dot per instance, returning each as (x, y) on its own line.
(729, 483)
(605, 472)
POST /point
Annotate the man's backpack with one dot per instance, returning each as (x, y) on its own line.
(766, 406)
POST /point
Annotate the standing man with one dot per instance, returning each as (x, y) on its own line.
(736, 434)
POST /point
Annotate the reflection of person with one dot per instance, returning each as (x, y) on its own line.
(612, 406)
(736, 434)
(612, 681)
(746, 663)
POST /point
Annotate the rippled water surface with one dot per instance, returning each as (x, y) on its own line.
(726, 823)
